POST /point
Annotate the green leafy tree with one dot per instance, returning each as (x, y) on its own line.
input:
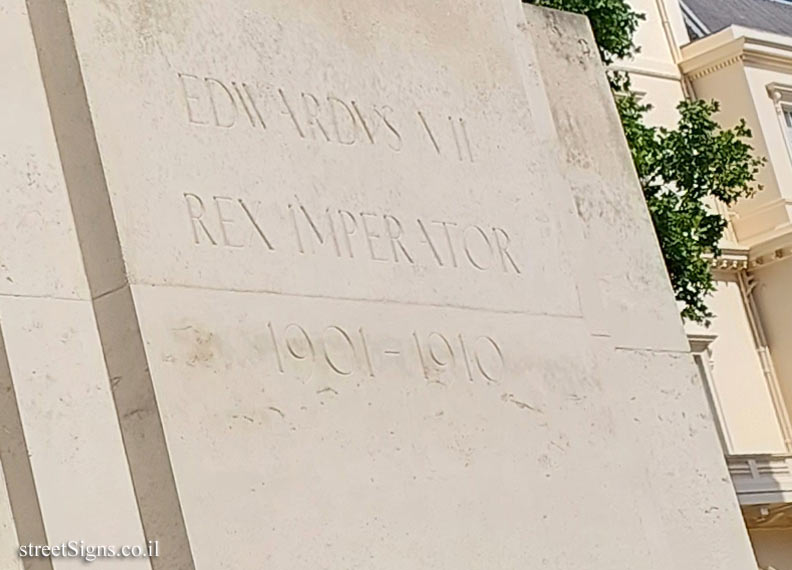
(680, 168)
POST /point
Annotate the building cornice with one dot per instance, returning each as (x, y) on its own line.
(700, 342)
(774, 247)
(719, 64)
(731, 259)
(736, 44)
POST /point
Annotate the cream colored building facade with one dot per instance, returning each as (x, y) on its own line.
(744, 356)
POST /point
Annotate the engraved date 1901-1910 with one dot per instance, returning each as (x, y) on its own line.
(439, 357)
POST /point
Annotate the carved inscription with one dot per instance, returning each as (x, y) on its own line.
(327, 117)
(366, 235)
(438, 357)
(234, 223)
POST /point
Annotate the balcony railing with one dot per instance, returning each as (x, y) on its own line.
(761, 479)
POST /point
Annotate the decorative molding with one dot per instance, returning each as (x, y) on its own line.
(700, 342)
(760, 251)
(726, 264)
(717, 67)
(779, 92)
(730, 260)
(764, 55)
(777, 247)
(734, 44)
(770, 258)
(639, 95)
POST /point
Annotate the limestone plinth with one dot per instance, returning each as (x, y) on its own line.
(351, 311)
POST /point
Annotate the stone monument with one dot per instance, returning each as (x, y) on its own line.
(301, 284)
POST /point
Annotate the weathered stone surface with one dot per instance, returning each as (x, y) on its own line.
(433, 199)
(40, 254)
(654, 390)
(9, 544)
(72, 438)
(63, 461)
(675, 451)
(342, 293)
(364, 444)
(618, 231)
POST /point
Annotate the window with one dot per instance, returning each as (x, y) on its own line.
(781, 95)
(787, 113)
